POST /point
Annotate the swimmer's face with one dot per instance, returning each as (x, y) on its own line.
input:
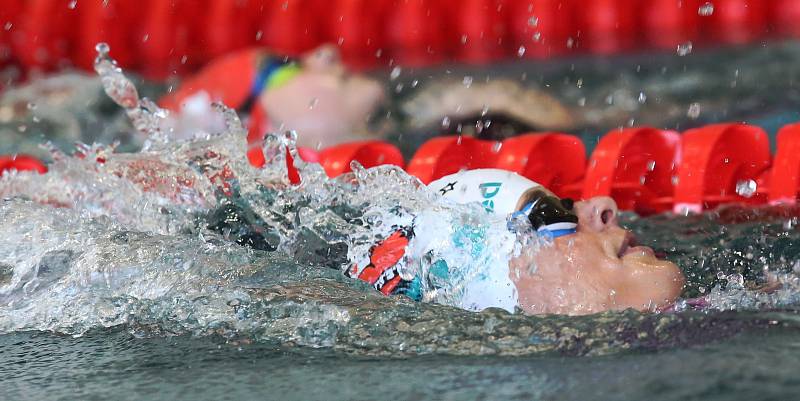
(597, 268)
(324, 103)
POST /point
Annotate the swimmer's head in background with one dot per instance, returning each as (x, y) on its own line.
(548, 214)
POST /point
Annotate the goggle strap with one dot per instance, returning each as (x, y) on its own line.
(558, 233)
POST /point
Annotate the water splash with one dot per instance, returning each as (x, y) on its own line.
(151, 241)
(145, 115)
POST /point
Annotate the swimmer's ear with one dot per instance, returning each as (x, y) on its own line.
(323, 58)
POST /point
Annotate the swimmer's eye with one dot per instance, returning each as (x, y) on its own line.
(550, 214)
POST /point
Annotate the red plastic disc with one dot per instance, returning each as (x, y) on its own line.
(336, 160)
(784, 181)
(714, 159)
(21, 163)
(441, 156)
(549, 158)
(634, 166)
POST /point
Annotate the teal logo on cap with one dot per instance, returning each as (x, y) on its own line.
(488, 191)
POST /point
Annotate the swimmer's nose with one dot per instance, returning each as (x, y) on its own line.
(597, 214)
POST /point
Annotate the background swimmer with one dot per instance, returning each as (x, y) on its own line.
(314, 95)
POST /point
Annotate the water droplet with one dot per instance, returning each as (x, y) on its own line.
(8, 26)
(313, 103)
(675, 180)
(398, 88)
(378, 53)
(395, 73)
(533, 21)
(642, 98)
(706, 9)
(497, 146)
(651, 165)
(71, 5)
(582, 102)
(31, 106)
(446, 122)
(259, 34)
(463, 39)
(521, 51)
(484, 110)
(183, 59)
(102, 49)
(414, 83)
(145, 37)
(610, 99)
(340, 41)
(570, 43)
(22, 128)
(684, 48)
(537, 36)
(736, 279)
(36, 119)
(467, 81)
(746, 188)
(694, 111)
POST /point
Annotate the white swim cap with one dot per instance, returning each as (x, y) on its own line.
(497, 190)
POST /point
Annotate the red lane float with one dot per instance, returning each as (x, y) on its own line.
(286, 27)
(736, 21)
(359, 31)
(635, 167)
(441, 156)
(21, 163)
(232, 28)
(609, 26)
(552, 159)
(784, 179)
(483, 28)
(541, 28)
(784, 15)
(668, 23)
(228, 79)
(415, 32)
(10, 14)
(644, 169)
(45, 35)
(107, 22)
(714, 159)
(336, 160)
(166, 37)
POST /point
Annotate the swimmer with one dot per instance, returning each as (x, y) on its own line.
(589, 264)
(314, 95)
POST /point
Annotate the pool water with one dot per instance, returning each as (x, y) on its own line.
(232, 289)
(753, 363)
(738, 351)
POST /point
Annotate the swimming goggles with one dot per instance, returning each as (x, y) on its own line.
(549, 216)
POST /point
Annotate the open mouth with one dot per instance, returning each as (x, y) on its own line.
(631, 245)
